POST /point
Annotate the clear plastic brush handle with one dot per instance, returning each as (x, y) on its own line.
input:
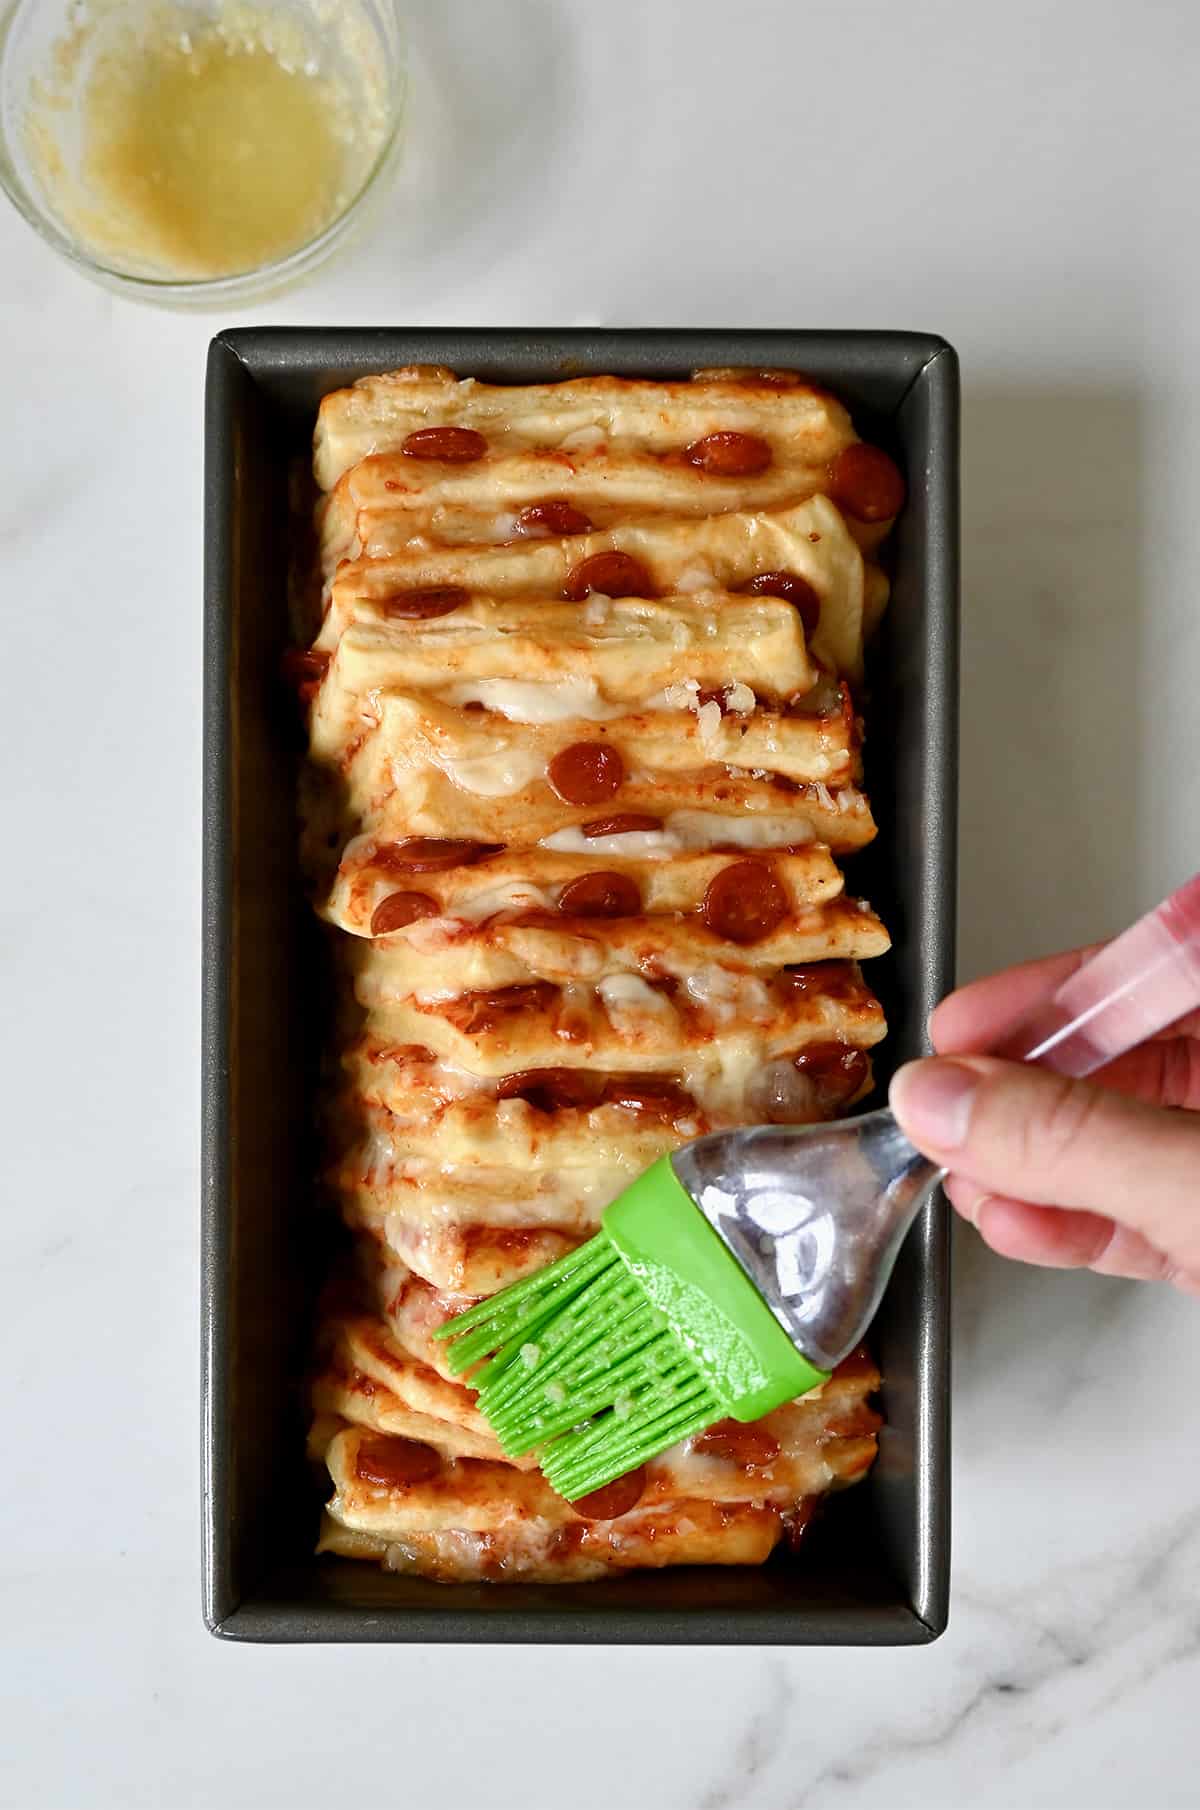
(1126, 992)
(816, 1214)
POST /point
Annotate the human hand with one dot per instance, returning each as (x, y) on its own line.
(1101, 1174)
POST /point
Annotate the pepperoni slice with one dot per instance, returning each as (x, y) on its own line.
(838, 1070)
(612, 574)
(395, 1462)
(601, 895)
(516, 999)
(856, 1363)
(794, 590)
(848, 715)
(796, 1521)
(742, 1442)
(729, 455)
(836, 980)
(535, 917)
(476, 1012)
(586, 773)
(666, 1098)
(622, 825)
(429, 854)
(401, 908)
(612, 1499)
(553, 518)
(744, 902)
(419, 606)
(303, 669)
(402, 1054)
(865, 483)
(451, 445)
(550, 1089)
(855, 1423)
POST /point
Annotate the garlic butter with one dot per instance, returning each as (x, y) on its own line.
(196, 145)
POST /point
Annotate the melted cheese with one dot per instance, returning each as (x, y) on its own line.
(710, 829)
(430, 934)
(627, 996)
(513, 895)
(722, 1074)
(684, 830)
(536, 700)
(697, 577)
(497, 775)
(631, 845)
(725, 995)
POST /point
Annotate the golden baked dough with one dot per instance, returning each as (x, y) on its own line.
(584, 744)
(377, 414)
(388, 500)
(495, 649)
(692, 565)
(515, 881)
(724, 1497)
(441, 954)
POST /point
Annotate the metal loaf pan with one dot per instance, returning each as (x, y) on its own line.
(874, 1569)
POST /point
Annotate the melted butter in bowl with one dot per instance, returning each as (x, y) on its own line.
(214, 159)
(188, 145)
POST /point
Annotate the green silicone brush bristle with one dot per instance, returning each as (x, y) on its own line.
(645, 1335)
(582, 1365)
(499, 1327)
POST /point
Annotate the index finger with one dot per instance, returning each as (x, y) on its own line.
(973, 1020)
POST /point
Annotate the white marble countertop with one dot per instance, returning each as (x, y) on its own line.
(1019, 177)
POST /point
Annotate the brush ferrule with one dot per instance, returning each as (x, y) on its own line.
(728, 1332)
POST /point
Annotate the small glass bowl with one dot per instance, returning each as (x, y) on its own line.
(31, 29)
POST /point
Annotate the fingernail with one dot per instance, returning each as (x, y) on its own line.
(971, 1202)
(932, 1100)
(984, 1204)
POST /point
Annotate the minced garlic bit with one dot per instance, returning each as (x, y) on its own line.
(595, 610)
(683, 695)
(708, 720)
(530, 1355)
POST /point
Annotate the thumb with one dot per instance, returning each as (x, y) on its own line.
(1022, 1132)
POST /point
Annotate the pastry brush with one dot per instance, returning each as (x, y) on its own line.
(734, 1274)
